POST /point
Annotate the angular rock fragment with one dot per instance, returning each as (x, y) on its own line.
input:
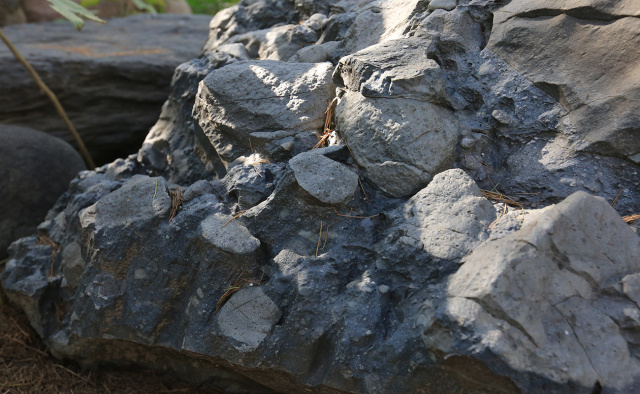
(536, 298)
(325, 179)
(224, 233)
(260, 97)
(597, 83)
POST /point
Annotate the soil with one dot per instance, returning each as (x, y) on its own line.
(27, 367)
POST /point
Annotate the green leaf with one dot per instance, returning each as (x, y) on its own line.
(73, 12)
(89, 3)
(141, 5)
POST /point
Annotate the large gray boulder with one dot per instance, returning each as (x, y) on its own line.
(231, 252)
(111, 79)
(35, 169)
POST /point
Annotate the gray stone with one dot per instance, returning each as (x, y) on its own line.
(400, 142)
(261, 96)
(35, 169)
(316, 53)
(448, 218)
(442, 4)
(225, 233)
(111, 79)
(395, 68)
(378, 21)
(538, 287)
(134, 205)
(248, 317)
(631, 287)
(325, 179)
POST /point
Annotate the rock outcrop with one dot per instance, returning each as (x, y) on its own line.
(234, 252)
(111, 79)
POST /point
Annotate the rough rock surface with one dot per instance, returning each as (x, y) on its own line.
(273, 96)
(35, 169)
(374, 265)
(111, 79)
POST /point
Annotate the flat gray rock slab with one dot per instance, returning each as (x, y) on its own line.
(327, 180)
(248, 317)
(136, 204)
(111, 79)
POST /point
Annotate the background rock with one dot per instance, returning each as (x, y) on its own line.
(112, 88)
(36, 169)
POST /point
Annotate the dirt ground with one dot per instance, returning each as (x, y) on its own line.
(27, 367)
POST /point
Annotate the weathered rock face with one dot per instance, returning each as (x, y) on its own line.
(111, 79)
(374, 265)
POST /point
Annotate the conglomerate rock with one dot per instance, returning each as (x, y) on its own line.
(232, 253)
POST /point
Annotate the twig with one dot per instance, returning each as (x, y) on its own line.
(56, 103)
(504, 210)
(155, 191)
(328, 122)
(235, 217)
(499, 197)
(176, 201)
(615, 200)
(355, 217)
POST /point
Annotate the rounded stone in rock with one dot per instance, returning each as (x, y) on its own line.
(248, 317)
(325, 179)
(35, 169)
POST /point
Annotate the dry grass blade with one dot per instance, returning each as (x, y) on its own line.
(499, 197)
(256, 165)
(329, 123)
(630, 218)
(504, 211)
(615, 200)
(354, 217)
(176, 201)
(234, 287)
(234, 217)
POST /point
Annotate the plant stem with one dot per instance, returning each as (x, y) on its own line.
(56, 103)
